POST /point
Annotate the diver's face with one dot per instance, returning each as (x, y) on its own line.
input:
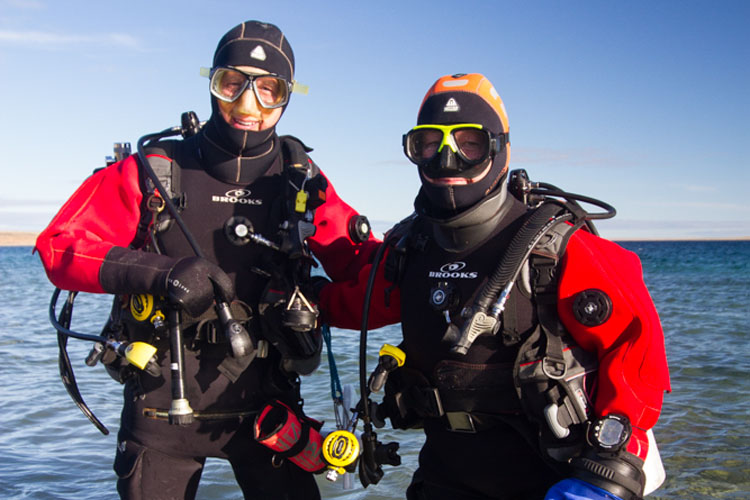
(246, 113)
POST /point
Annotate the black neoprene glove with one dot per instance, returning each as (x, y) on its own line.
(190, 282)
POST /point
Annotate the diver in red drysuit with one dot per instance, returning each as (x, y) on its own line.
(235, 177)
(482, 440)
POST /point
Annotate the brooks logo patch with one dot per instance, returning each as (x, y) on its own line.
(451, 106)
(258, 53)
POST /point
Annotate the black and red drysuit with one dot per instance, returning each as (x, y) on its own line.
(503, 459)
(155, 459)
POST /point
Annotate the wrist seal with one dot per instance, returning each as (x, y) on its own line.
(620, 474)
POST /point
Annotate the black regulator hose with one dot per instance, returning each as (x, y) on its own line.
(370, 471)
(237, 335)
(532, 230)
(545, 189)
(364, 390)
(62, 325)
(548, 212)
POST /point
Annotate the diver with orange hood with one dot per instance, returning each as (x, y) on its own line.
(532, 355)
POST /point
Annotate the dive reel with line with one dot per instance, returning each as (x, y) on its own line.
(549, 207)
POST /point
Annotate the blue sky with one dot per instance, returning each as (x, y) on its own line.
(643, 104)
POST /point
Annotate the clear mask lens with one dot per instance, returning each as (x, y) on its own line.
(469, 142)
(228, 84)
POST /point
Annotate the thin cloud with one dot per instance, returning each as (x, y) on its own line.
(24, 4)
(49, 40)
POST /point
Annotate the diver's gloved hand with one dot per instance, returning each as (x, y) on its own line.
(575, 489)
(190, 282)
(193, 283)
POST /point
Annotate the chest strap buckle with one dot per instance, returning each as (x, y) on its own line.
(461, 421)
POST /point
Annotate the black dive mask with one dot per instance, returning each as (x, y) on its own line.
(453, 198)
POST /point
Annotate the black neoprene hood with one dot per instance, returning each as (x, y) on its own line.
(257, 44)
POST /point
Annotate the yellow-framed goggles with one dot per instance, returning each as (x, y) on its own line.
(470, 142)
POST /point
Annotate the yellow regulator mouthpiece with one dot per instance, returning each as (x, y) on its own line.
(139, 354)
(394, 352)
(341, 450)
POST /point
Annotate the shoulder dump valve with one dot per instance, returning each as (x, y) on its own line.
(359, 228)
(592, 307)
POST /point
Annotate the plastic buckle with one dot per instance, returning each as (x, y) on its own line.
(460, 421)
(423, 401)
(555, 369)
(433, 401)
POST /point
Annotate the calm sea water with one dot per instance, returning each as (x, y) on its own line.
(48, 450)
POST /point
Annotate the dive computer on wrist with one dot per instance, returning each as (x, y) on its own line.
(610, 433)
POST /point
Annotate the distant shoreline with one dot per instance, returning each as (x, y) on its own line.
(17, 239)
(28, 239)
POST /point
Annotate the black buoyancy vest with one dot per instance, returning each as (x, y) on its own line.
(428, 269)
(502, 373)
(270, 206)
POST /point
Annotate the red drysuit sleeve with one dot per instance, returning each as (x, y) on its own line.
(633, 373)
(341, 257)
(103, 213)
(342, 301)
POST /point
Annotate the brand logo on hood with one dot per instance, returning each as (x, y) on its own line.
(238, 197)
(258, 53)
(451, 106)
(453, 270)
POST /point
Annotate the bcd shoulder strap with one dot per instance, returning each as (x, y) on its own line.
(303, 176)
(399, 239)
(153, 216)
(550, 367)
